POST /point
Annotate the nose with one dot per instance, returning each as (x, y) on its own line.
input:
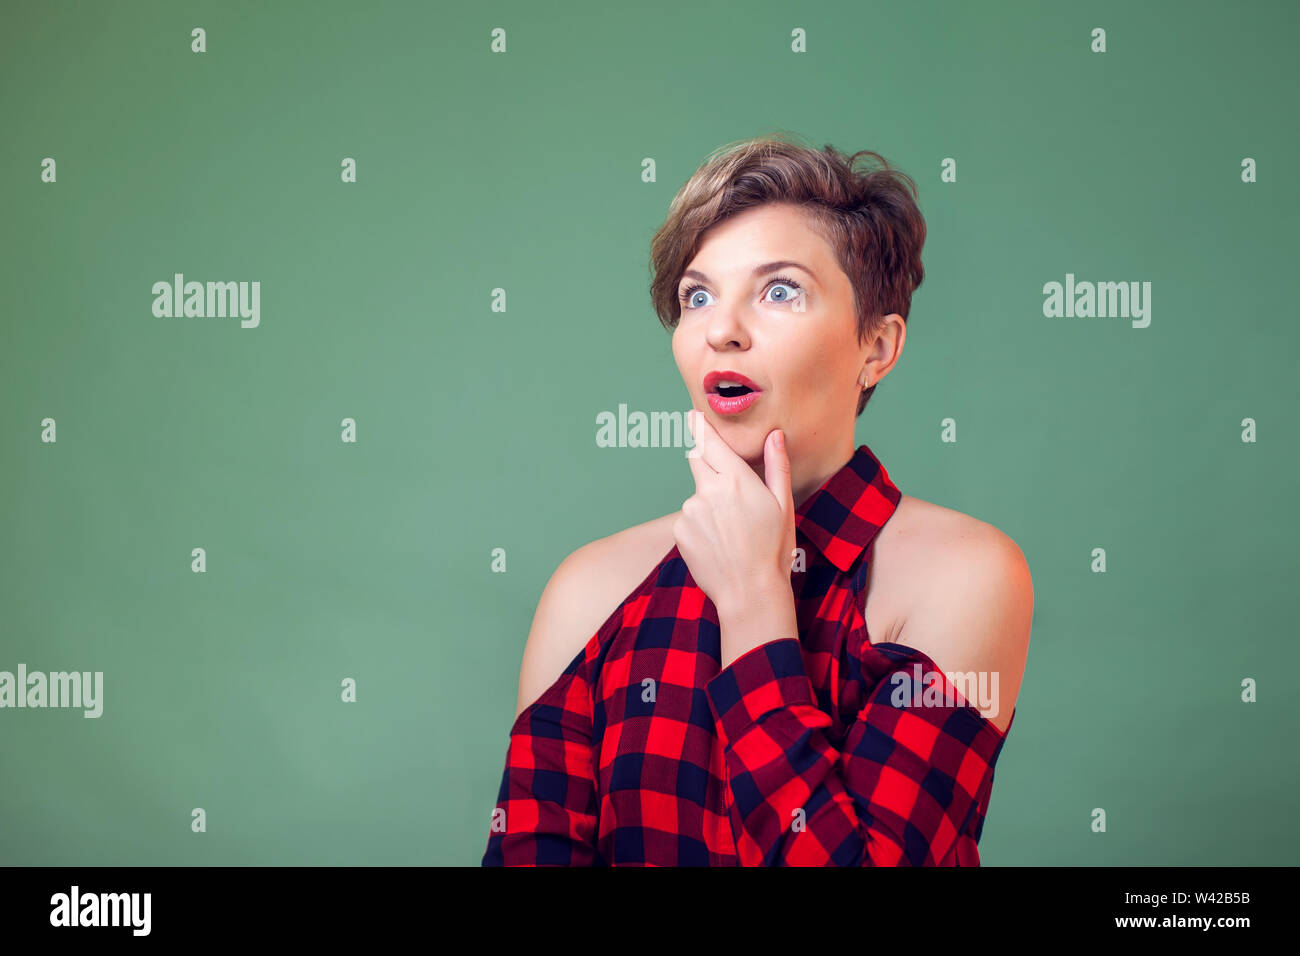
(726, 328)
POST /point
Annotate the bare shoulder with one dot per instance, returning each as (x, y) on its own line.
(581, 595)
(922, 526)
(967, 596)
(902, 573)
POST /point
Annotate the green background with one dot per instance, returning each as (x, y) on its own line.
(476, 428)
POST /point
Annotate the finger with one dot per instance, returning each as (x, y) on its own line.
(716, 453)
(696, 452)
(776, 471)
(700, 469)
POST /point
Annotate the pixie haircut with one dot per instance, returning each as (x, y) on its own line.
(867, 213)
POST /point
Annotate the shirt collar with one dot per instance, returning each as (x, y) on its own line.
(842, 516)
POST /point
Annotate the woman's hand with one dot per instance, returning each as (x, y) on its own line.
(737, 537)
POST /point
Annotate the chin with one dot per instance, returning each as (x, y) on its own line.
(745, 439)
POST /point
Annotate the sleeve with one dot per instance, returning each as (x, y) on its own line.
(546, 806)
(899, 793)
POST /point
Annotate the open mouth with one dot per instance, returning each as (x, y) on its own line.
(729, 384)
(730, 393)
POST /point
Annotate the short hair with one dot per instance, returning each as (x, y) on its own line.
(868, 215)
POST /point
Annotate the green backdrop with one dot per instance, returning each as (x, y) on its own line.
(522, 170)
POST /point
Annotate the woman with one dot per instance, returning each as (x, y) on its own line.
(802, 665)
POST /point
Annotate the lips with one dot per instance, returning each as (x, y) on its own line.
(735, 400)
(725, 375)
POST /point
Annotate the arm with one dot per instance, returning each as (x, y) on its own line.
(908, 777)
(546, 806)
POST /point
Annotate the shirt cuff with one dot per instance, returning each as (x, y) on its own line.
(766, 678)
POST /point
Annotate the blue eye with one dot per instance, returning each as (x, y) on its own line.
(787, 283)
(690, 292)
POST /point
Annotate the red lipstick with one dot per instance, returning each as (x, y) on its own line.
(730, 393)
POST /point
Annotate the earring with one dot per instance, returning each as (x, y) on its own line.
(866, 380)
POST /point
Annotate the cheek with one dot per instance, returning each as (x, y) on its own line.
(679, 356)
(684, 348)
(813, 384)
(813, 374)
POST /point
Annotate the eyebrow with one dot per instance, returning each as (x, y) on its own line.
(758, 270)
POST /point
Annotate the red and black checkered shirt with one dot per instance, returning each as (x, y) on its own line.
(813, 751)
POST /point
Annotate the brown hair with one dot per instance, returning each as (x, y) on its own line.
(869, 216)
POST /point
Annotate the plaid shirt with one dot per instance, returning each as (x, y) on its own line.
(802, 752)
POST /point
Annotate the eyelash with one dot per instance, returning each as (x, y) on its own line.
(779, 280)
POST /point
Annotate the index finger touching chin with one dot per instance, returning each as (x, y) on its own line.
(716, 452)
(709, 445)
(702, 434)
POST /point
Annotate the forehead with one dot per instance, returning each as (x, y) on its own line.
(761, 234)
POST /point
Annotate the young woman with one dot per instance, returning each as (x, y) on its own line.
(803, 665)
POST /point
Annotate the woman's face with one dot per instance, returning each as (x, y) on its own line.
(788, 328)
